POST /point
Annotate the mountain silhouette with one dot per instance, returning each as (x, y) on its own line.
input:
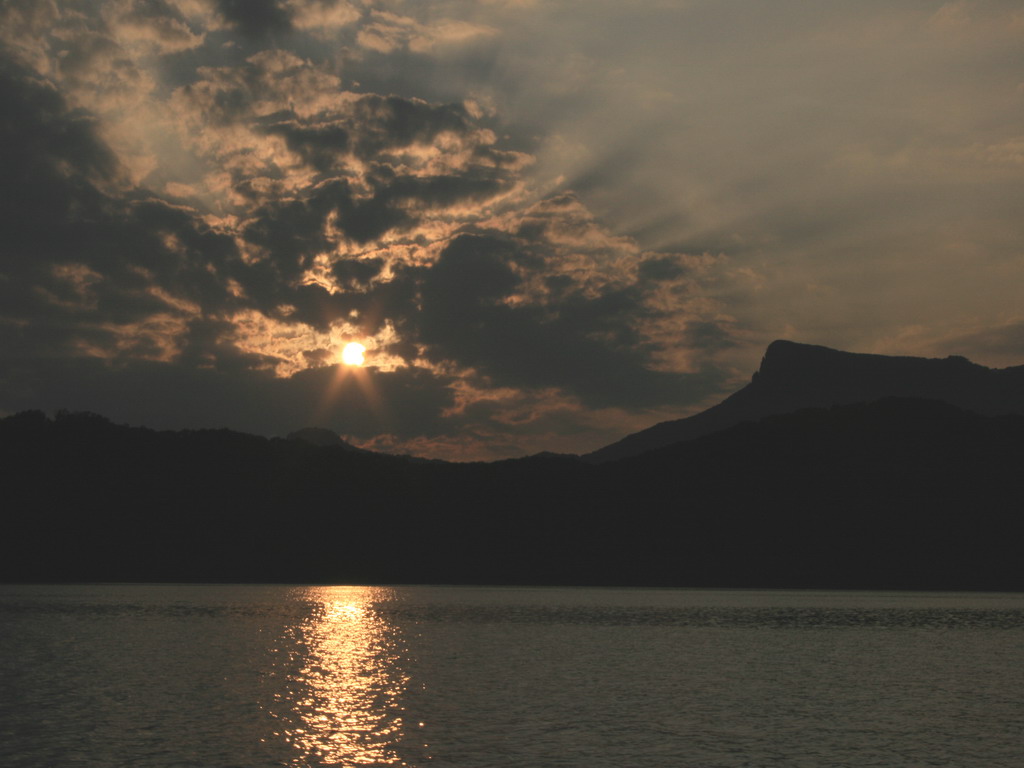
(899, 493)
(794, 376)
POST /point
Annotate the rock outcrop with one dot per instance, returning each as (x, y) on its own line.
(794, 376)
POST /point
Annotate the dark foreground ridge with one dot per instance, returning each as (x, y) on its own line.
(900, 493)
(794, 376)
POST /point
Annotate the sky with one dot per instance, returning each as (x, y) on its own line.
(551, 223)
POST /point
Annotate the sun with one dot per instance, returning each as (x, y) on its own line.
(352, 354)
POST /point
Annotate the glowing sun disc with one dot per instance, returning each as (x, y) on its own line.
(352, 354)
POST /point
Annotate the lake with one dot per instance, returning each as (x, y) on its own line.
(162, 676)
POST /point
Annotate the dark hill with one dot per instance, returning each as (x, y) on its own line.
(893, 494)
(323, 438)
(794, 376)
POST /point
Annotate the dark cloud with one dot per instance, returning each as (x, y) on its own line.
(79, 262)
(203, 265)
(373, 128)
(51, 158)
(587, 345)
(291, 231)
(321, 145)
(356, 274)
(256, 18)
(205, 344)
(50, 153)
(155, 22)
(153, 10)
(392, 121)
(708, 336)
(368, 125)
(443, 190)
(661, 268)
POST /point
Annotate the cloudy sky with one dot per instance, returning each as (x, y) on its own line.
(550, 222)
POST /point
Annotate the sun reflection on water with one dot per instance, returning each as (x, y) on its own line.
(342, 700)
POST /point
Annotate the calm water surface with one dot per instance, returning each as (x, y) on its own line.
(253, 676)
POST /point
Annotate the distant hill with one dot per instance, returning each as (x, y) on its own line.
(894, 494)
(794, 376)
(322, 438)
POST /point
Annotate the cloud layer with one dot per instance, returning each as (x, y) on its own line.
(544, 242)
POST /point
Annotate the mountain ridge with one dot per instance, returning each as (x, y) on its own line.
(793, 376)
(895, 494)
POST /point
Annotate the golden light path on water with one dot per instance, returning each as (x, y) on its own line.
(341, 703)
